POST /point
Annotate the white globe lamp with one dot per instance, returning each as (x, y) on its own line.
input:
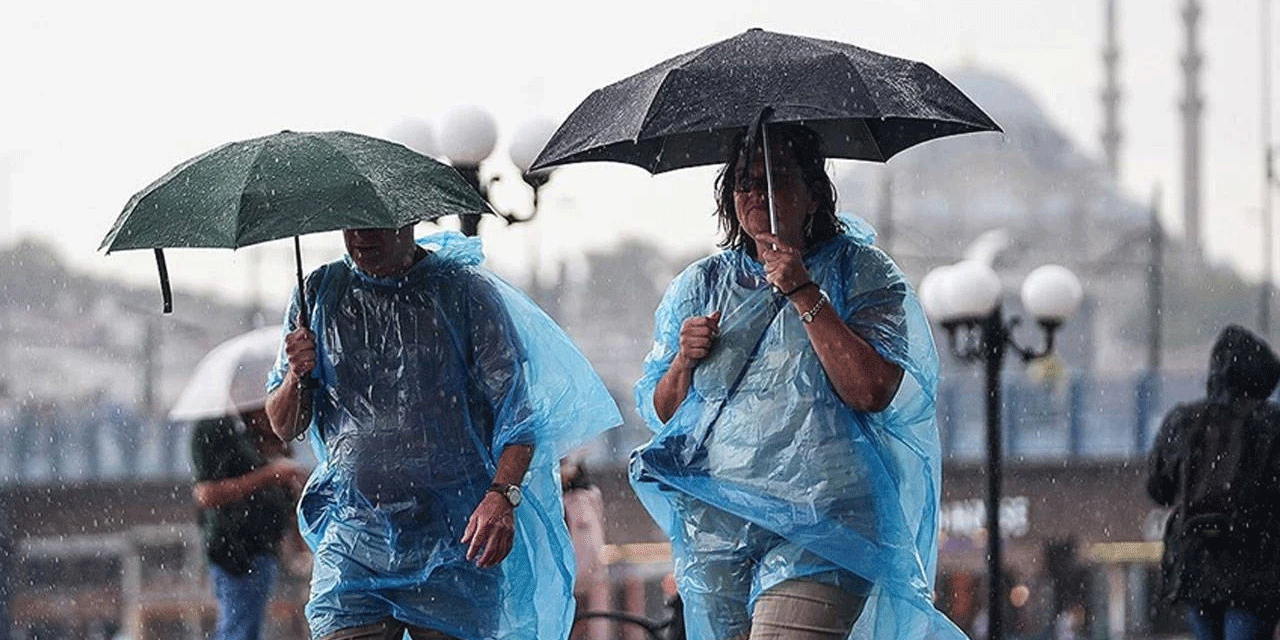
(1051, 294)
(530, 138)
(973, 290)
(468, 135)
(416, 134)
(933, 296)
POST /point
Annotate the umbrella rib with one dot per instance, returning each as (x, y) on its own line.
(147, 191)
(314, 213)
(309, 215)
(862, 122)
(650, 113)
(244, 182)
(835, 48)
(356, 166)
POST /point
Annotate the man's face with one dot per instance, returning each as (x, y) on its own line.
(381, 252)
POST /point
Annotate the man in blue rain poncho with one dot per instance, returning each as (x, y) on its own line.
(444, 402)
(795, 461)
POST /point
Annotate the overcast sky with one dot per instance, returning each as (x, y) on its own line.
(101, 98)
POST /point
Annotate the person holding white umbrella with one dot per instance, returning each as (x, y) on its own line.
(245, 482)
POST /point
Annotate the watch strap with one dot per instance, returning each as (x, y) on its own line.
(505, 491)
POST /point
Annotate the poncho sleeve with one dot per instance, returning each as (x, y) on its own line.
(499, 367)
(563, 403)
(685, 297)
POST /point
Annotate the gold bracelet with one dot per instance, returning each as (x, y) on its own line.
(812, 313)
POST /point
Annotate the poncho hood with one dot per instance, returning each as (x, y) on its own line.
(1241, 365)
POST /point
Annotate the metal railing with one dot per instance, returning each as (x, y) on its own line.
(1061, 417)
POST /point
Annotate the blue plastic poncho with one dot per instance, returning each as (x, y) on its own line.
(763, 474)
(424, 379)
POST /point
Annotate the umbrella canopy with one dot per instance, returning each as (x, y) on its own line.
(686, 111)
(231, 378)
(288, 184)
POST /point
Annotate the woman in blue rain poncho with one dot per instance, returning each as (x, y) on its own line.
(444, 402)
(791, 390)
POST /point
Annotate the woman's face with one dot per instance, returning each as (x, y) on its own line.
(791, 197)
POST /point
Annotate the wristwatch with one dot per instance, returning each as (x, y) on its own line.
(509, 491)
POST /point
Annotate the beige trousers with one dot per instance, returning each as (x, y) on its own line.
(805, 610)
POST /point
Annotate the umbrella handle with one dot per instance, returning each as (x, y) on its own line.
(303, 320)
(768, 173)
(307, 382)
(166, 293)
(760, 129)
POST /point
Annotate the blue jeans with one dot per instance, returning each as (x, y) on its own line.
(1220, 622)
(243, 599)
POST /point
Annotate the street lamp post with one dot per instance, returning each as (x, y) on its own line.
(965, 299)
(468, 137)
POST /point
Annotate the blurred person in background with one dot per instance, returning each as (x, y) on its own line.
(1216, 463)
(246, 487)
(584, 515)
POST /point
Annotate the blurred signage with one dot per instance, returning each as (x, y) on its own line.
(969, 517)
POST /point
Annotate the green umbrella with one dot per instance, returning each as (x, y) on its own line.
(288, 184)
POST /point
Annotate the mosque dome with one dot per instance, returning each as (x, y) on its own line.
(1032, 179)
(1009, 104)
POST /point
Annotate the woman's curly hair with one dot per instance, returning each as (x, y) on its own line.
(806, 148)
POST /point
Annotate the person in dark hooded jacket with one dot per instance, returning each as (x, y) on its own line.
(1216, 463)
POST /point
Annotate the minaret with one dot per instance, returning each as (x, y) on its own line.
(1192, 107)
(1110, 94)
(1268, 168)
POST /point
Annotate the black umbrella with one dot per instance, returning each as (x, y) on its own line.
(686, 111)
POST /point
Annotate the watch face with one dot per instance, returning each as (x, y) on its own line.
(513, 494)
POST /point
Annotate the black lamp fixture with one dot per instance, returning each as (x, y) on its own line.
(468, 136)
(964, 298)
